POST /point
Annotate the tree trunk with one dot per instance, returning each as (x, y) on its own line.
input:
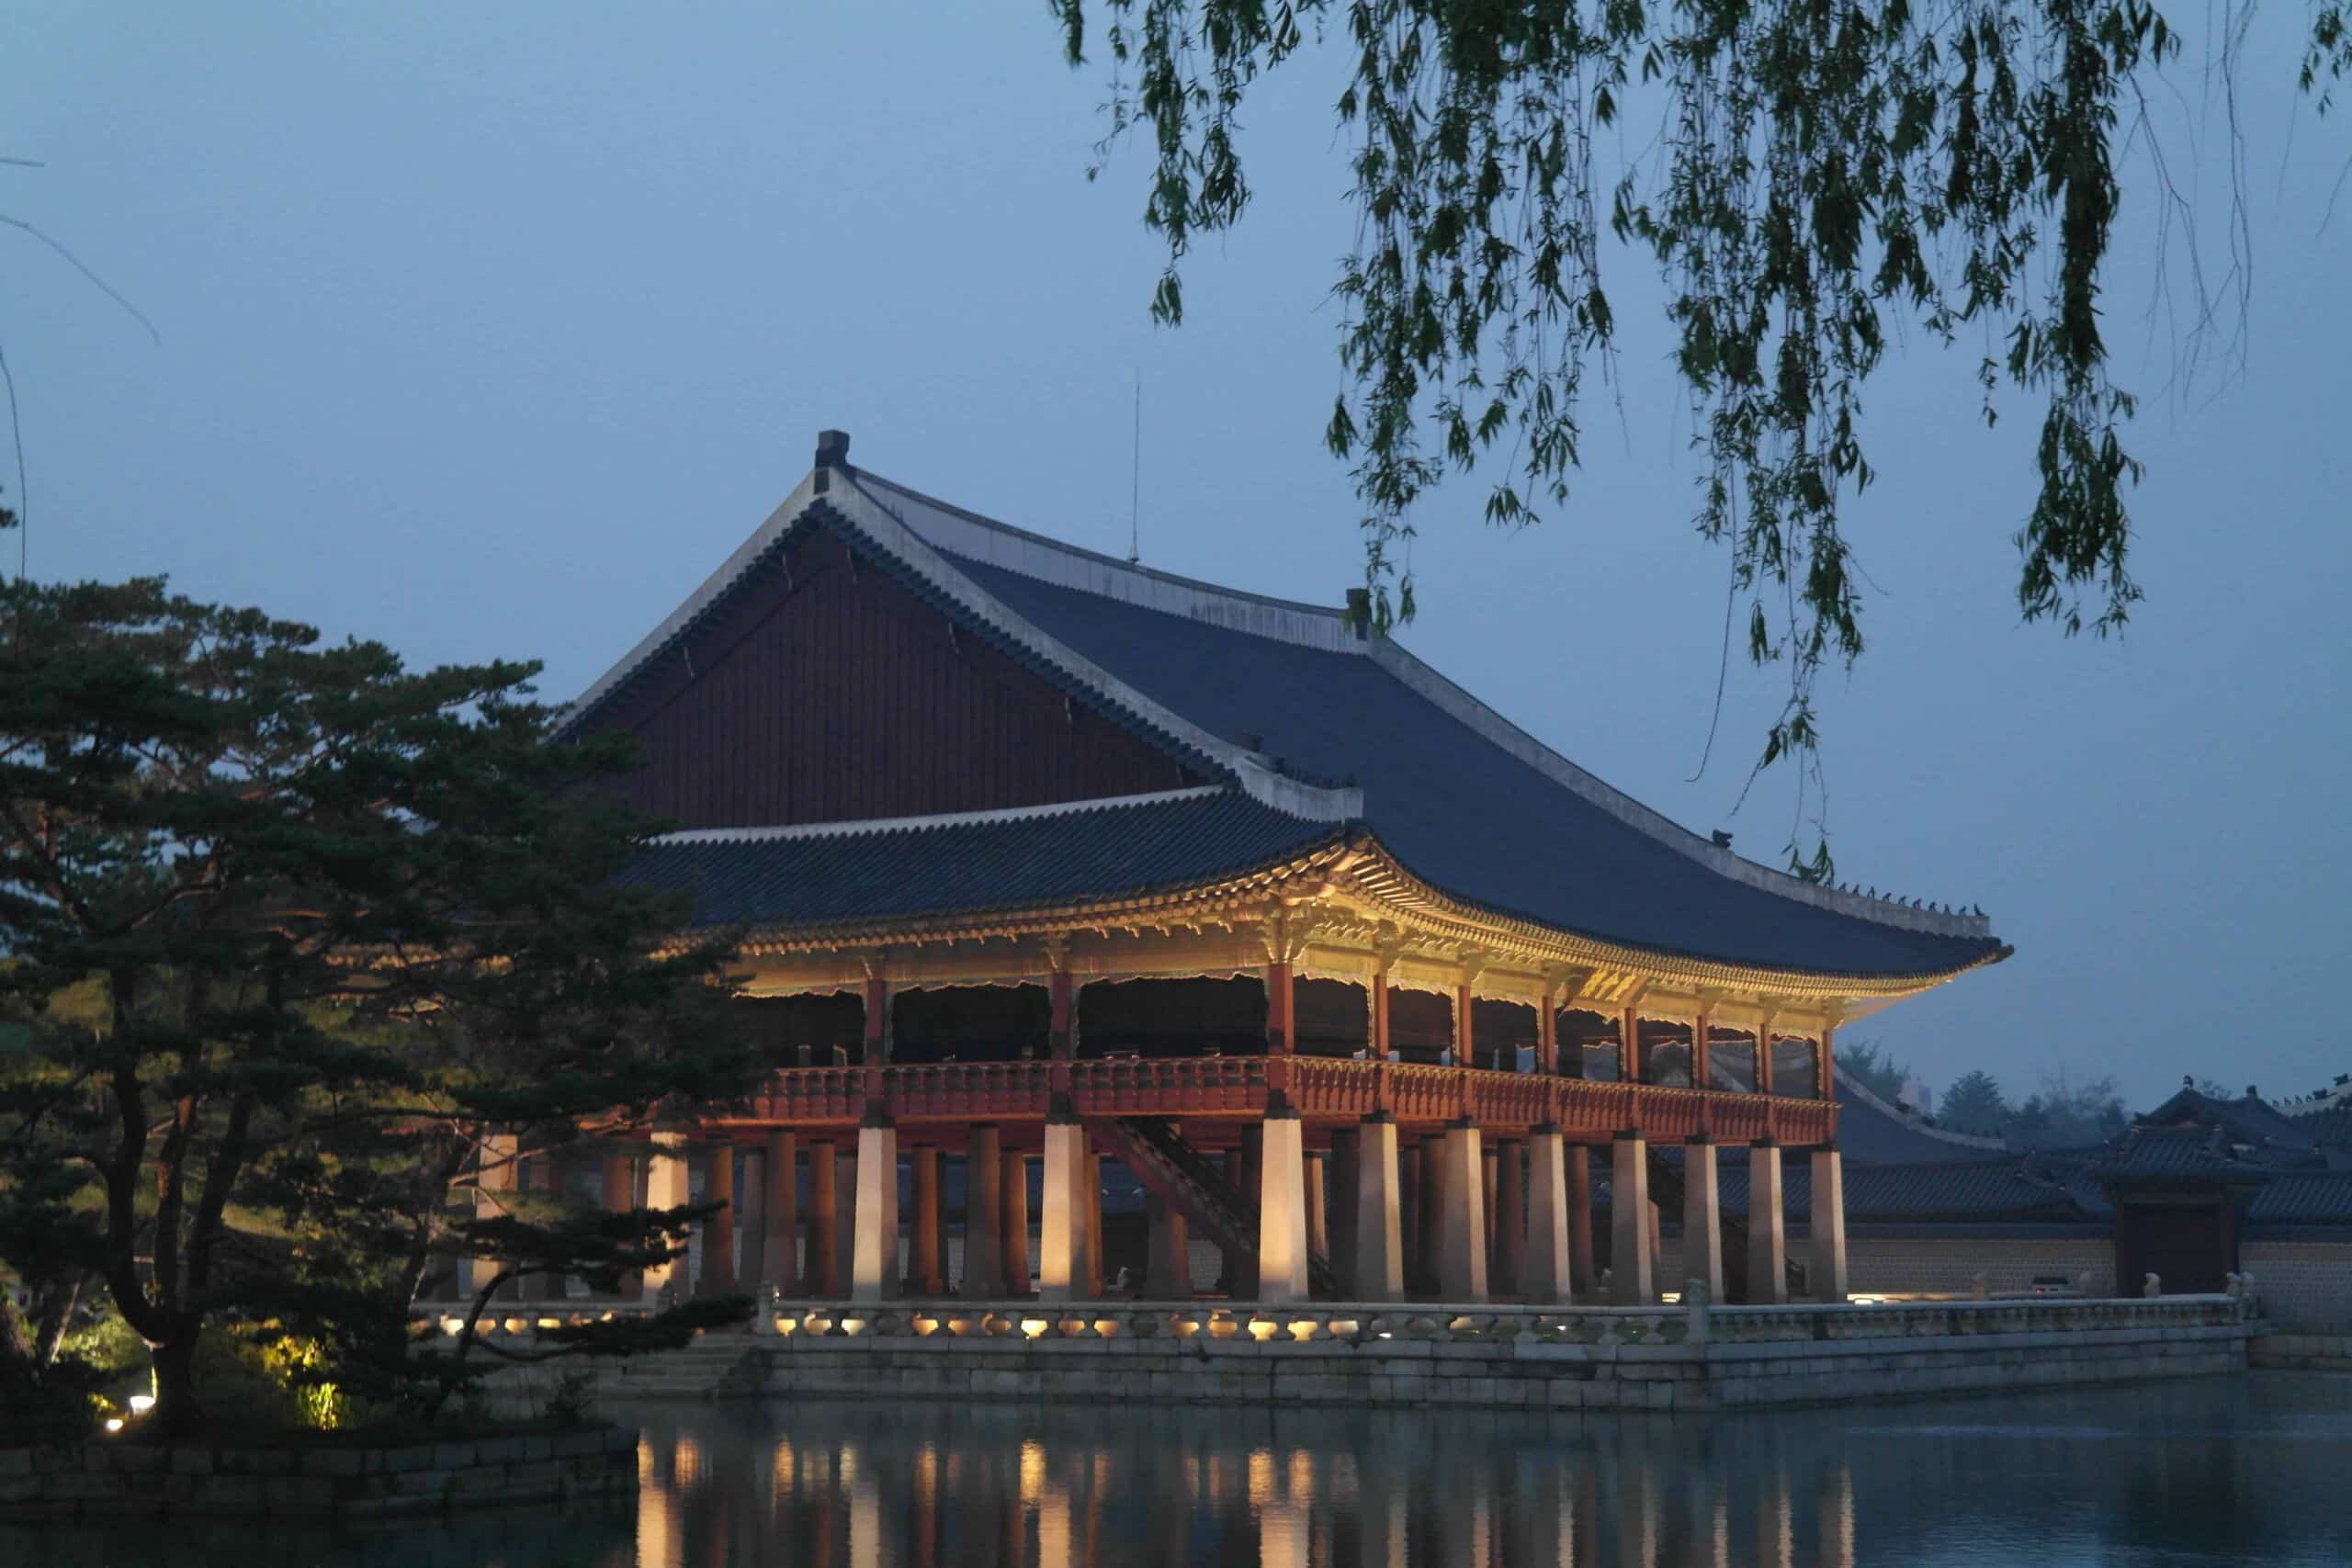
(177, 1415)
(16, 1369)
(55, 1305)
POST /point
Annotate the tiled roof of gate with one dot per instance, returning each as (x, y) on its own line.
(1456, 809)
(1096, 850)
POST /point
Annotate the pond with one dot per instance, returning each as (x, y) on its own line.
(2251, 1469)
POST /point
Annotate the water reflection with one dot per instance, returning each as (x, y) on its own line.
(2218, 1471)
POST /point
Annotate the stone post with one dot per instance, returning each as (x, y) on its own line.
(1578, 1160)
(1167, 1262)
(822, 1275)
(1768, 1270)
(1510, 1217)
(874, 1271)
(620, 1196)
(498, 1175)
(1014, 1252)
(927, 1267)
(1061, 1242)
(1829, 1224)
(1703, 1234)
(1631, 1265)
(1282, 1209)
(780, 1216)
(665, 1187)
(1546, 1278)
(718, 1231)
(845, 1217)
(1247, 1167)
(1462, 1240)
(1379, 1274)
(983, 1213)
(752, 1224)
(1318, 1231)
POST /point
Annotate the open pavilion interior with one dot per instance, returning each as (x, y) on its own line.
(1042, 863)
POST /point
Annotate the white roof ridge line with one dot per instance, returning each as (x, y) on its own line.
(858, 826)
(1110, 562)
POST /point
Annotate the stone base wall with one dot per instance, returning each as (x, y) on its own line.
(2301, 1352)
(2304, 1284)
(121, 1479)
(1627, 1359)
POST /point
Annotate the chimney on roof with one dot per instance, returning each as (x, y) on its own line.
(1252, 741)
(1359, 611)
(1723, 841)
(833, 449)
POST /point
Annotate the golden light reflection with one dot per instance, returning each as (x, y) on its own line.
(783, 1471)
(1262, 1478)
(1032, 1472)
(1302, 1476)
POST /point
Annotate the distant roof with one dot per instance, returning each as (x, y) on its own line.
(1871, 1131)
(977, 862)
(1314, 721)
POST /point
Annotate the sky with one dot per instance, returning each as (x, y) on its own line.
(490, 331)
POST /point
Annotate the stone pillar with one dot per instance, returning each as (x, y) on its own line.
(1168, 1263)
(537, 1174)
(1462, 1239)
(1545, 1278)
(1380, 1239)
(665, 1187)
(983, 1213)
(1282, 1209)
(751, 1223)
(718, 1231)
(498, 1175)
(1012, 1253)
(1510, 1218)
(1061, 1241)
(1578, 1160)
(822, 1274)
(1342, 1184)
(927, 1264)
(1703, 1225)
(1829, 1224)
(1631, 1265)
(1428, 1216)
(874, 1270)
(780, 1216)
(1318, 1230)
(1767, 1272)
(1489, 1163)
(619, 1197)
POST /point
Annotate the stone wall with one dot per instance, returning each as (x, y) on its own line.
(1639, 1358)
(1894, 1265)
(116, 1479)
(2304, 1284)
(2301, 1352)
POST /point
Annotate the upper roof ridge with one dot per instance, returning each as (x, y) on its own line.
(854, 827)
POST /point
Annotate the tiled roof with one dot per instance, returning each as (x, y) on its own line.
(1868, 1135)
(1454, 807)
(2313, 1198)
(2248, 1119)
(985, 861)
(2157, 1152)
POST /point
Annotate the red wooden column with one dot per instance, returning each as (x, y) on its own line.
(1764, 1054)
(877, 1019)
(1699, 1027)
(1629, 1045)
(1829, 1062)
(1464, 1027)
(1280, 1009)
(1060, 1043)
(1547, 1034)
(1377, 1038)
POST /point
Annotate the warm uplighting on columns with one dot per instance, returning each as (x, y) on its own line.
(1632, 1264)
(1061, 1240)
(780, 1216)
(1281, 1208)
(874, 1270)
(1767, 1272)
(983, 1213)
(497, 1177)
(1827, 1224)
(1544, 1275)
(823, 1274)
(1380, 1242)
(718, 1231)
(1702, 1236)
(665, 1187)
(1462, 1231)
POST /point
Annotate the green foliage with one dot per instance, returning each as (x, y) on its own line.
(1975, 1103)
(290, 928)
(1823, 174)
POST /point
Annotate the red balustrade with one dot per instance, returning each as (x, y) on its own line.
(1321, 1089)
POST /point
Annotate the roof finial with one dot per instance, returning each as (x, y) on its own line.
(833, 449)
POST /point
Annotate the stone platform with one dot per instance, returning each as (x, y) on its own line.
(1665, 1358)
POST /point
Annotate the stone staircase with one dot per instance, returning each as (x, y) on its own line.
(1178, 1174)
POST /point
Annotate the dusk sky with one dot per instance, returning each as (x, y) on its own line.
(490, 331)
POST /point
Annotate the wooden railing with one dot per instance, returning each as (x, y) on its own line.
(1321, 1089)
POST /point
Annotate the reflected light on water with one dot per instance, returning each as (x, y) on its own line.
(2226, 1471)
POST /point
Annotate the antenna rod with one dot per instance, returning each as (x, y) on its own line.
(1134, 480)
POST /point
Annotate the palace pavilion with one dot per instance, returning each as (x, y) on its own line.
(1043, 861)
